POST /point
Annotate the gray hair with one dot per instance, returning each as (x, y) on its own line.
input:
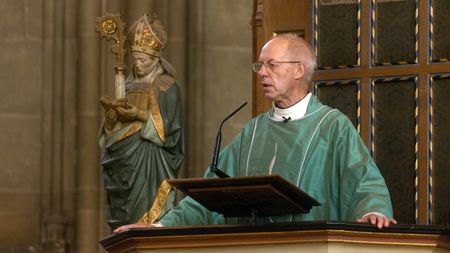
(301, 50)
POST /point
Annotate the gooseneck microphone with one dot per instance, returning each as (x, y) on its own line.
(215, 159)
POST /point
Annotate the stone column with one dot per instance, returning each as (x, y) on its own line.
(219, 75)
(137, 8)
(58, 124)
(173, 15)
(88, 169)
(195, 90)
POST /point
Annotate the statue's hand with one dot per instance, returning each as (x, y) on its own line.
(131, 113)
(121, 102)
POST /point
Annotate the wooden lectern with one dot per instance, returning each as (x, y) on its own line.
(265, 196)
(253, 196)
(317, 236)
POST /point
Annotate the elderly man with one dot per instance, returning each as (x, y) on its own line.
(310, 144)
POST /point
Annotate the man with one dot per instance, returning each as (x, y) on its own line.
(142, 135)
(310, 144)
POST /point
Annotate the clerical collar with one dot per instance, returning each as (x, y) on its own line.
(293, 112)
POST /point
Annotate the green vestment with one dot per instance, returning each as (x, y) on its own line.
(139, 155)
(321, 153)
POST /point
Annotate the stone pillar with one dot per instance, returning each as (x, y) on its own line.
(58, 124)
(219, 75)
(173, 15)
(88, 169)
(137, 8)
(195, 90)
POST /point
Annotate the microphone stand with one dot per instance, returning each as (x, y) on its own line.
(213, 167)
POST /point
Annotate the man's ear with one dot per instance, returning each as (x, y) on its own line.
(300, 71)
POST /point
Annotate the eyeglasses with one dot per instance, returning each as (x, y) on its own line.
(270, 65)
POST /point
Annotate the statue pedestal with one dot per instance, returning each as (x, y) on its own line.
(315, 236)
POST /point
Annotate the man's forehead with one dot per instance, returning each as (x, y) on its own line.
(272, 50)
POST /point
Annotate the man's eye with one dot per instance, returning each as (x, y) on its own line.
(271, 65)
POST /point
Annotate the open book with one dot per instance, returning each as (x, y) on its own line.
(107, 102)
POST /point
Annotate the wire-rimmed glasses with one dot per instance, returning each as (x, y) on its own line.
(270, 65)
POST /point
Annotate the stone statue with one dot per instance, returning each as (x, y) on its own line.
(141, 135)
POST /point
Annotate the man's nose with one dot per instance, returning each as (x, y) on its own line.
(263, 70)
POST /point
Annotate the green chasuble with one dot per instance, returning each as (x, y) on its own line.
(321, 153)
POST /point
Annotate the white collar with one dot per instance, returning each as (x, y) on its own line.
(293, 112)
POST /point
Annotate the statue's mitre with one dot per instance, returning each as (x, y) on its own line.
(147, 36)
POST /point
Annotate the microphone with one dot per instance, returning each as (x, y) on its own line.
(285, 120)
(215, 160)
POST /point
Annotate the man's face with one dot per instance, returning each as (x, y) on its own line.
(143, 63)
(278, 79)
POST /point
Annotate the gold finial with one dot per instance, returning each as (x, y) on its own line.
(111, 27)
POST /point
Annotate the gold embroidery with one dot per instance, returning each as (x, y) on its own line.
(150, 103)
(162, 83)
(155, 114)
(152, 215)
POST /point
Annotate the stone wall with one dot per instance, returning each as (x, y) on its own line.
(21, 118)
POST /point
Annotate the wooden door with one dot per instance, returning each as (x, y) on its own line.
(385, 64)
